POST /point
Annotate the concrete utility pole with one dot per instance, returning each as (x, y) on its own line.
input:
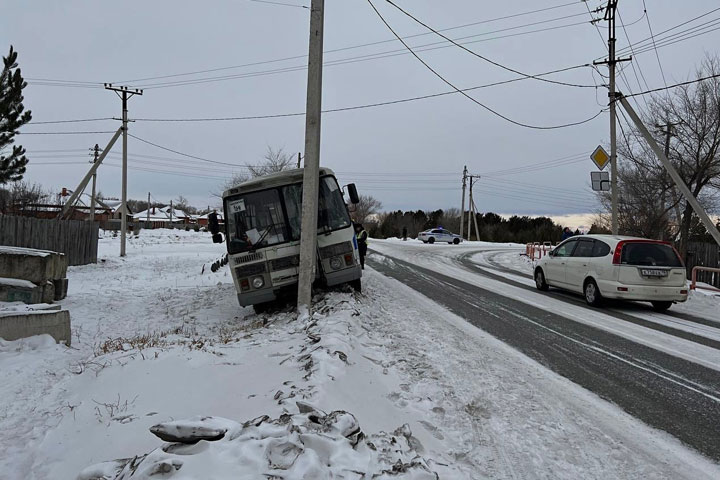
(83, 183)
(124, 93)
(96, 151)
(311, 173)
(611, 61)
(699, 210)
(462, 205)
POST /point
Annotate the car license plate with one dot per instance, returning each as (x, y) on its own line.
(651, 272)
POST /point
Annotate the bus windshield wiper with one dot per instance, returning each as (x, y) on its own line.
(262, 237)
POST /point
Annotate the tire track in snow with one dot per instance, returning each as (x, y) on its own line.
(677, 396)
(465, 262)
(635, 306)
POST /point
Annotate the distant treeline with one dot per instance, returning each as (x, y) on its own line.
(493, 227)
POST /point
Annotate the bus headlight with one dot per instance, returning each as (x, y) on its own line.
(258, 282)
(335, 263)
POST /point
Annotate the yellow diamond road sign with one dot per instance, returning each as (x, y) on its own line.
(600, 157)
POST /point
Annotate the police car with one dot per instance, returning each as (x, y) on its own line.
(439, 235)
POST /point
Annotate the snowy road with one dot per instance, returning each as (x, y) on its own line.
(533, 393)
(662, 369)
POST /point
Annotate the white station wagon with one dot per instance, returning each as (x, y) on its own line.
(439, 235)
(609, 266)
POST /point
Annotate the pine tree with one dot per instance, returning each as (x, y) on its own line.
(12, 117)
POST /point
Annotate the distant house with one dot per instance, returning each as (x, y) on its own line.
(115, 209)
(162, 217)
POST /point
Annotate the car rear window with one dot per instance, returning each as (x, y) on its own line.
(653, 254)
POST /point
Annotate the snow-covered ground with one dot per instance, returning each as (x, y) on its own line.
(157, 340)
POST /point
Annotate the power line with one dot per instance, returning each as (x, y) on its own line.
(356, 107)
(392, 40)
(504, 67)
(181, 153)
(468, 96)
(683, 36)
(681, 84)
(280, 3)
(349, 60)
(64, 133)
(72, 121)
(650, 39)
(654, 46)
(344, 61)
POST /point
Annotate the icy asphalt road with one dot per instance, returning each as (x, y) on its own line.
(664, 375)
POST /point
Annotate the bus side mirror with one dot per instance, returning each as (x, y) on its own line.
(352, 193)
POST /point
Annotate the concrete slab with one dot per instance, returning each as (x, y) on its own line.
(37, 266)
(56, 323)
(27, 292)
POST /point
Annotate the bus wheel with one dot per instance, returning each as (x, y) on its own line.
(261, 307)
(356, 285)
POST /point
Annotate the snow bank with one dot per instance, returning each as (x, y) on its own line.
(303, 441)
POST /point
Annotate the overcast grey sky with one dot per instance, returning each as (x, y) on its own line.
(408, 155)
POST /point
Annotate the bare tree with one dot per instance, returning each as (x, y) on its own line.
(274, 160)
(650, 205)
(23, 196)
(368, 205)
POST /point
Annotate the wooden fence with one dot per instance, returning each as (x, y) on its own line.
(706, 255)
(77, 239)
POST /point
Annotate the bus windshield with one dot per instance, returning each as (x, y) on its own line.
(273, 216)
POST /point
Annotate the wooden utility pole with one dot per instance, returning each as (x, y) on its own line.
(462, 205)
(96, 151)
(311, 173)
(148, 212)
(611, 62)
(124, 93)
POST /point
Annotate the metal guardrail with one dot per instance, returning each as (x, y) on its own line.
(537, 250)
(693, 282)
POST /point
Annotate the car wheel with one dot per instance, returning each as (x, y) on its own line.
(431, 240)
(540, 282)
(592, 293)
(456, 241)
(661, 306)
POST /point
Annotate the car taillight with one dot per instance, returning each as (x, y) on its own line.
(348, 259)
(618, 252)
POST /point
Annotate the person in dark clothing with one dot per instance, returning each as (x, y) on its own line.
(404, 233)
(362, 240)
(567, 233)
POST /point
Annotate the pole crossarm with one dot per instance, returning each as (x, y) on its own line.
(699, 210)
(83, 183)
